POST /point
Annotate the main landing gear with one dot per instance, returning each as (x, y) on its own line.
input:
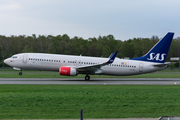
(87, 77)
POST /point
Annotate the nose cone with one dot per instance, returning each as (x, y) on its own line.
(7, 61)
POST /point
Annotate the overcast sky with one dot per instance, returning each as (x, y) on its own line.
(125, 19)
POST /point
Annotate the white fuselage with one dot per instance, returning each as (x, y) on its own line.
(52, 62)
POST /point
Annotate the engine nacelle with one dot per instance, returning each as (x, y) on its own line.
(68, 71)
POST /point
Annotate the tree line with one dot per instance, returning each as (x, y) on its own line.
(102, 46)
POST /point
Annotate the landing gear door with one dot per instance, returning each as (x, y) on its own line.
(140, 67)
(25, 58)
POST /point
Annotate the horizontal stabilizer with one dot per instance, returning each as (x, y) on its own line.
(163, 64)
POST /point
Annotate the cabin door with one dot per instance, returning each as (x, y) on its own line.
(140, 67)
(24, 58)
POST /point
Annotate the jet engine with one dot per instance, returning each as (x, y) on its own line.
(68, 71)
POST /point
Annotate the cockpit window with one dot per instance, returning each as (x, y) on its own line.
(14, 57)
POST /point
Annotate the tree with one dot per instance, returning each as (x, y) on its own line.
(106, 51)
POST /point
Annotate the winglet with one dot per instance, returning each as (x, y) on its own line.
(112, 57)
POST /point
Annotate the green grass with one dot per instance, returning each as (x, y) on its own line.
(10, 73)
(37, 74)
(97, 101)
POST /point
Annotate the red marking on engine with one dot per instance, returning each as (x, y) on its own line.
(65, 71)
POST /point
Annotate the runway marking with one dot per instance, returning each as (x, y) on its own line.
(93, 81)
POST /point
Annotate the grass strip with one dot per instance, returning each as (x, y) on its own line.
(56, 75)
(98, 101)
(10, 73)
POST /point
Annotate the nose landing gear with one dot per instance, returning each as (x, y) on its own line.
(20, 73)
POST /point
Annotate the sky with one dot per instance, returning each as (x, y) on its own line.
(124, 19)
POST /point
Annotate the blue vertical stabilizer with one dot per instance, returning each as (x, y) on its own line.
(159, 52)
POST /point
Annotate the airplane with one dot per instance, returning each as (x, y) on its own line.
(70, 65)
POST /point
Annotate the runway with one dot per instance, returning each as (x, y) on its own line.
(93, 81)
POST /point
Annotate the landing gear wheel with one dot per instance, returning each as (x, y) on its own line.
(87, 77)
(20, 73)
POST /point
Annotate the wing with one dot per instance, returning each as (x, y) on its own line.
(96, 69)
